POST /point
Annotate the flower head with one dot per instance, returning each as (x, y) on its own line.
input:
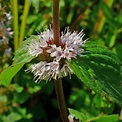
(53, 65)
(5, 23)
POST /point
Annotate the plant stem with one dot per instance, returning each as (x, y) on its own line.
(14, 4)
(56, 27)
(61, 100)
(58, 83)
(23, 24)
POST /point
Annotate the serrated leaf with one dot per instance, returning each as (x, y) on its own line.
(21, 57)
(99, 69)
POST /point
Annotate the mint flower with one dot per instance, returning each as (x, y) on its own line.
(53, 65)
(5, 23)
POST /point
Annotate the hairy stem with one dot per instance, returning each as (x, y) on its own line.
(56, 26)
(58, 83)
(61, 100)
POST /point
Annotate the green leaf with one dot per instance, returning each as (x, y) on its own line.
(35, 3)
(21, 57)
(107, 10)
(18, 88)
(20, 98)
(102, 118)
(99, 69)
(77, 114)
(13, 117)
(118, 50)
(7, 75)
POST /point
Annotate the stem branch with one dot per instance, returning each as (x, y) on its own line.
(61, 100)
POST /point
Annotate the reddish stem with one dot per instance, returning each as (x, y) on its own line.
(61, 100)
(58, 83)
(56, 25)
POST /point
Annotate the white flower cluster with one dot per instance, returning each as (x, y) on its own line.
(54, 65)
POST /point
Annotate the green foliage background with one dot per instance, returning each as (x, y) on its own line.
(25, 101)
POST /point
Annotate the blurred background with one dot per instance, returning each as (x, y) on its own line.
(24, 100)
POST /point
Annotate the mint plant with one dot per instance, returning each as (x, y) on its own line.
(65, 53)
